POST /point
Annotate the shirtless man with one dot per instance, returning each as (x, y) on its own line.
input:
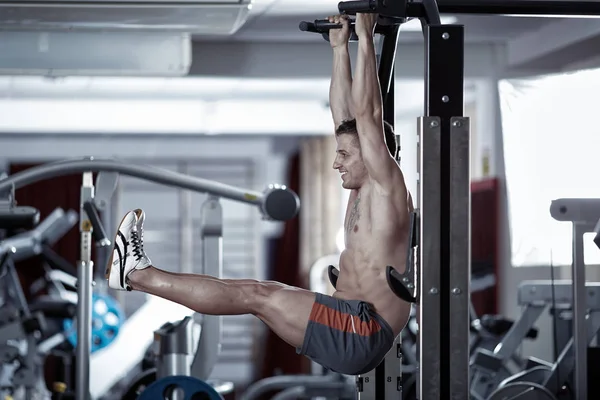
(351, 331)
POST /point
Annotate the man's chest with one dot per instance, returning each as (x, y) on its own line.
(357, 215)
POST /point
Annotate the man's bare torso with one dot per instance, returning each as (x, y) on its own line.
(376, 231)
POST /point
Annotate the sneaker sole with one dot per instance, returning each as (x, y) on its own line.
(109, 266)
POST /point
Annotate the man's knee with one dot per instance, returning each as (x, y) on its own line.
(258, 295)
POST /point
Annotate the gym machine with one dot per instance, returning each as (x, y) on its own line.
(23, 326)
(583, 215)
(490, 366)
(37, 240)
(276, 202)
(15, 217)
(534, 378)
(540, 379)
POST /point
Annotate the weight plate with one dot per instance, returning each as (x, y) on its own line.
(189, 389)
(107, 318)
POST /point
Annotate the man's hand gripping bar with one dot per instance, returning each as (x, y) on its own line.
(323, 26)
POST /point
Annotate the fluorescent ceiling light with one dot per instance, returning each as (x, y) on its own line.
(415, 25)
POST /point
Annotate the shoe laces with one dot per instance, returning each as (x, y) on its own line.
(137, 244)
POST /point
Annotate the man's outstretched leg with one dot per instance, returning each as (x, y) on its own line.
(284, 309)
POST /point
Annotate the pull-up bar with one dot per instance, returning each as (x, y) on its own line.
(402, 10)
(532, 8)
(277, 202)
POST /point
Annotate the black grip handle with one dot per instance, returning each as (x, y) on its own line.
(98, 233)
(323, 26)
(306, 26)
(319, 26)
(357, 6)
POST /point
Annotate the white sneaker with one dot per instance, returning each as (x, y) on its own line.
(141, 217)
(128, 251)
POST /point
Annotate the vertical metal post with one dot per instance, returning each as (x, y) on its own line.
(429, 201)
(387, 61)
(393, 371)
(580, 339)
(444, 72)
(389, 106)
(209, 346)
(444, 224)
(84, 293)
(366, 385)
(460, 257)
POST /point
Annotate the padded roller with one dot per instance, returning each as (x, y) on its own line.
(280, 203)
(19, 218)
(54, 308)
(357, 6)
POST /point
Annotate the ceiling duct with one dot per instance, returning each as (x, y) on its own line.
(204, 17)
(109, 53)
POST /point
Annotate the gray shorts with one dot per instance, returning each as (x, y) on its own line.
(346, 336)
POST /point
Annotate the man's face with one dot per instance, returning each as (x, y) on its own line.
(348, 161)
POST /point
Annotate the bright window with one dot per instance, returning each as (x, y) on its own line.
(551, 135)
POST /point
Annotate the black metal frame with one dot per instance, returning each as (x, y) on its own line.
(387, 62)
(444, 98)
(519, 7)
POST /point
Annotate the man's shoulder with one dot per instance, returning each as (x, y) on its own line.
(392, 185)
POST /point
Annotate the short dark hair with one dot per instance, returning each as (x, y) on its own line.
(349, 127)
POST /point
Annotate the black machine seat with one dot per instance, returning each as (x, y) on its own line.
(19, 218)
(393, 279)
(54, 308)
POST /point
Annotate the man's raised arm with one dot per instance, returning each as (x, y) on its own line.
(340, 88)
(367, 105)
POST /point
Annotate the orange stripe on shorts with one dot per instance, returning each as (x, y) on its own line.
(342, 321)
